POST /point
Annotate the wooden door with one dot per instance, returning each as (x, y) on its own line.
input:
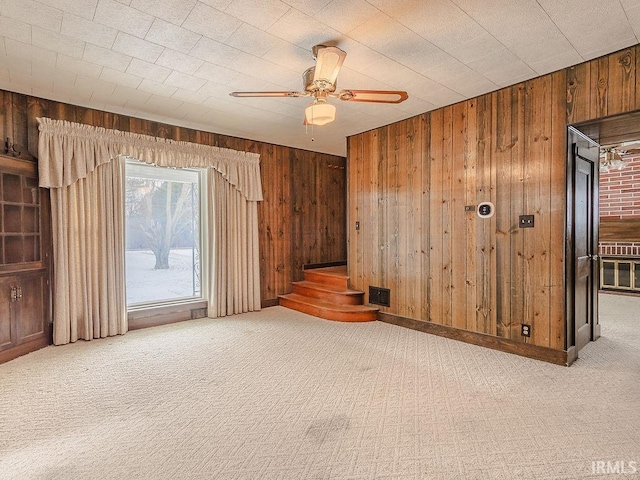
(30, 308)
(583, 241)
(7, 327)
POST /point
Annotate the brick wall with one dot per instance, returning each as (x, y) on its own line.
(620, 191)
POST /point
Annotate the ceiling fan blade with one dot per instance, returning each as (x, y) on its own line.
(328, 63)
(268, 94)
(372, 96)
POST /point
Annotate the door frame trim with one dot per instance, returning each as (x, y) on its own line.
(570, 335)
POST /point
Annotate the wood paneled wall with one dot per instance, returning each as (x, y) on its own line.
(302, 217)
(409, 183)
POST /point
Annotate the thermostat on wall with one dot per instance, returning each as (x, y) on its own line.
(486, 210)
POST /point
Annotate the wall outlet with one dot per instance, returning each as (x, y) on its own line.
(526, 221)
(526, 330)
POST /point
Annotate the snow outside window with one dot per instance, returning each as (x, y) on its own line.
(163, 234)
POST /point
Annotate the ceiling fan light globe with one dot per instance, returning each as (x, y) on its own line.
(320, 113)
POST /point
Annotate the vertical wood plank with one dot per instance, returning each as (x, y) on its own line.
(414, 220)
(447, 220)
(425, 215)
(517, 207)
(435, 218)
(483, 226)
(577, 95)
(471, 218)
(599, 87)
(459, 218)
(504, 226)
(399, 241)
(558, 205)
(621, 91)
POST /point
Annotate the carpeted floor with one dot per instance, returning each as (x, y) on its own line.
(281, 395)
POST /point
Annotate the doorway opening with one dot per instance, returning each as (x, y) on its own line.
(616, 254)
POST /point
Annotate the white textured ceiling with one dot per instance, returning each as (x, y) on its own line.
(176, 61)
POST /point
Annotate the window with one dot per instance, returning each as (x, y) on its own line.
(163, 234)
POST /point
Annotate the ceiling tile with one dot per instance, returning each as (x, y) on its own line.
(252, 40)
(439, 21)
(137, 47)
(214, 52)
(290, 56)
(31, 52)
(190, 96)
(94, 85)
(211, 23)
(156, 88)
(33, 13)
(43, 84)
(633, 14)
(179, 61)
(174, 11)
(117, 15)
(257, 68)
(215, 73)
(120, 78)
(261, 14)
(88, 31)
(70, 64)
(15, 29)
(106, 58)
(84, 8)
(218, 4)
(572, 16)
(126, 93)
(17, 63)
(56, 42)
(158, 103)
(303, 30)
(309, 7)
(345, 15)
(53, 73)
(556, 62)
(215, 90)
(171, 36)
(478, 47)
(148, 70)
(184, 81)
(461, 78)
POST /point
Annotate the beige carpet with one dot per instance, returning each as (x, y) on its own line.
(282, 395)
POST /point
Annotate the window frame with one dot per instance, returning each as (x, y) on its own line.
(179, 303)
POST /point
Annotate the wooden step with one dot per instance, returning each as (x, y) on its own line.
(330, 293)
(328, 310)
(336, 276)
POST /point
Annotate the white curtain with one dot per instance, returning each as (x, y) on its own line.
(235, 285)
(83, 167)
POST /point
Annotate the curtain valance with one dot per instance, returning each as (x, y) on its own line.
(68, 151)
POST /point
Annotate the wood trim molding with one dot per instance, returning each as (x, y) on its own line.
(23, 349)
(310, 266)
(558, 357)
(163, 315)
(273, 302)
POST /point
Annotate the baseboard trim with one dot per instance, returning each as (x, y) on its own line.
(572, 355)
(558, 357)
(23, 349)
(269, 303)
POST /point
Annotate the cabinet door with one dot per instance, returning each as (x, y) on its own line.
(30, 317)
(7, 330)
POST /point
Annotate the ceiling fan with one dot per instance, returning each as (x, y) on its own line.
(616, 157)
(319, 82)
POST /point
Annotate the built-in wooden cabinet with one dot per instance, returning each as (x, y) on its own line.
(24, 272)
